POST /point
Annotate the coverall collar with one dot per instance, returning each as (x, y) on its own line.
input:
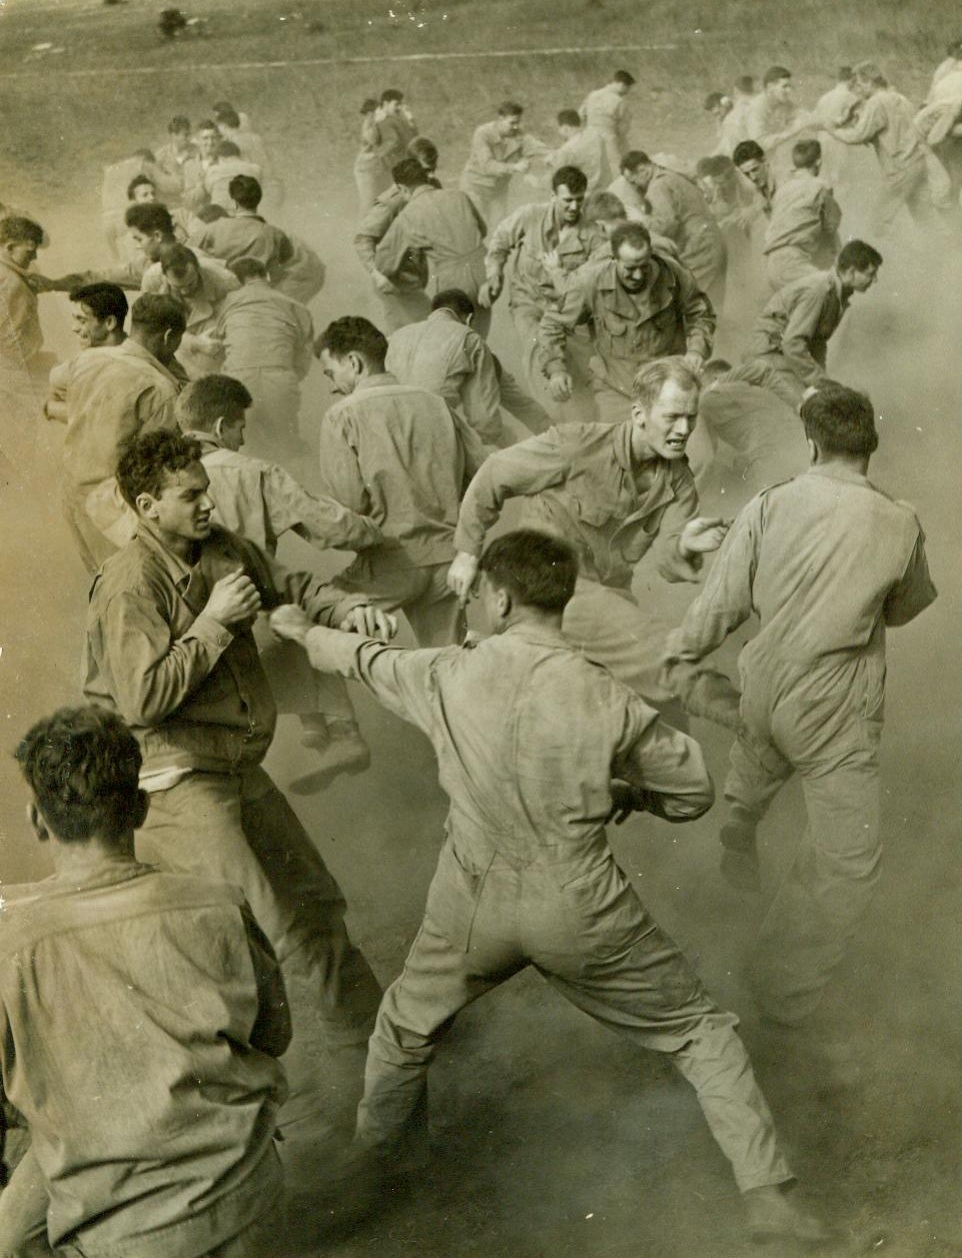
(537, 634)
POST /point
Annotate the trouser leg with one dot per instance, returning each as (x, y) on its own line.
(438, 980)
(787, 264)
(524, 408)
(436, 617)
(272, 428)
(402, 308)
(611, 629)
(242, 830)
(23, 1213)
(647, 992)
(828, 889)
(757, 771)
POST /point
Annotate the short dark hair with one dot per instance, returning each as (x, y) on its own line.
(844, 74)
(176, 259)
(178, 125)
(859, 255)
(17, 230)
(353, 334)
(602, 206)
(150, 217)
(139, 181)
(775, 74)
(83, 766)
(713, 100)
(218, 105)
(745, 83)
(205, 400)
(409, 173)
(568, 118)
(536, 569)
(714, 368)
(103, 300)
(869, 72)
(424, 150)
(246, 191)
(227, 114)
(623, 76)
(211, 213)
(714, 167)
(158, 312)
(510, 109)
(248, 269)
(570, 177)
(840, 420)
(146, 460)
(633, 159)
(227, 148)
(806, 154)
(208, 125)
(454, 299)
(391, 93)
(748, 151)
(636, 235)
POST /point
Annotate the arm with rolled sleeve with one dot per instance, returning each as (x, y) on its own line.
(665, 768)
(914, 591)
(526, 468)
(399, 679)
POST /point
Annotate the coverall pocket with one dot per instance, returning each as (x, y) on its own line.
(453, 896)
(605, 914)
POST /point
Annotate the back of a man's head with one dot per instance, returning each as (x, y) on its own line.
(425, 151)
(210, 398)
(146, 462)
(409, 173)
(775, 74)
(82, 765)
(748, 151)
(568, 118)
(455, 300)
(510, 109)
(840, 421)
(226, 116)
(353, 334)
(154, 314)
(806, 154)
(538, 571)
(624, 77)
(633, 159)
(177, 260)
(603, 207)
(248, 269)
(150, 217)
(245, 191)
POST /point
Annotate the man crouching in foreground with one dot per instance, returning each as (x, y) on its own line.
(537, 747)
(141, 1015)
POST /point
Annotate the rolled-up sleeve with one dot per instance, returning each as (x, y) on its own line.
(914, 592)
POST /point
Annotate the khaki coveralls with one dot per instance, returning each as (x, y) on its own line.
(528, 736)
(826, 561)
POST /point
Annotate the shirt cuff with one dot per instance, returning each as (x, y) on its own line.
(211, 632)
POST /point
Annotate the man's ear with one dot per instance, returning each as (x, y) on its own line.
(812, 451)
(36, 822)
(139, 814)
(503, 603)
(147, 506)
